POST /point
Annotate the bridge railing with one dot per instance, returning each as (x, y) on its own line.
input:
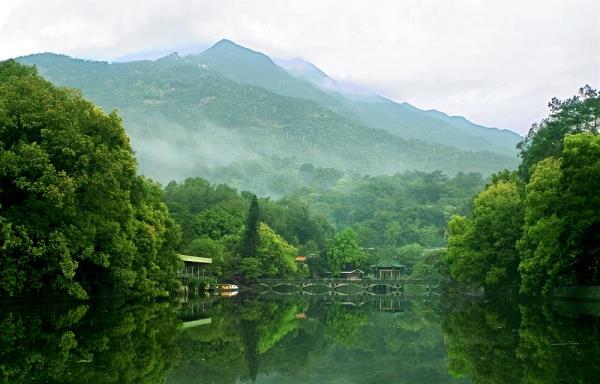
(342, 280)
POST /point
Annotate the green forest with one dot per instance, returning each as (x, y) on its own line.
(75, 218)
(78, 220)
(538, 228)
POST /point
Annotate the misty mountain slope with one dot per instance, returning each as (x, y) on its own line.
(183, 118)
(403, 119)
(254, 68)
(409, 122)
(301, 79)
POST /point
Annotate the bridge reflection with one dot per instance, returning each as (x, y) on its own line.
(369, 302)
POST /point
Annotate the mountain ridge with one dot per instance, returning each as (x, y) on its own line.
(310, 82)
(183, 118)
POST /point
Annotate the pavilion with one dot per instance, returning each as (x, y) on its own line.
(388, 270)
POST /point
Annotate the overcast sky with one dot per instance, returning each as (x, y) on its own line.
(494, 62)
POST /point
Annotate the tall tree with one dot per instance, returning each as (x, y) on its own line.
(74, 217)
(578, 114)
(275, 254)
(539, 247)
(481, 251)
(250, 241)
(580, 210)
(343, 252)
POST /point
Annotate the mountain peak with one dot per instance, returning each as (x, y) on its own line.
(226, 45)
(225, 42)
(226, 53)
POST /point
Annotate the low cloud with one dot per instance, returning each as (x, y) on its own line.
(494, 62)
(177, 152)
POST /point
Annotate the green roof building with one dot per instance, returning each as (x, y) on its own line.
(388, 270)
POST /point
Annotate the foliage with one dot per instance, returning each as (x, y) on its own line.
(275, 254)
(82, 344)
(578, 114)
(250, 240)
(207, 247)
(174, 106)
(559, 242)
(74, 217)
(393, 211)
(410, 254)
(539, 244)
(251, 268)
(431, 266)
(481, 251)
(343, 252)
(212, 217)
(202, 209)
(581, 207)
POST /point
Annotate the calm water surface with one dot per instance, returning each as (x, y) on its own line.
(300, 339)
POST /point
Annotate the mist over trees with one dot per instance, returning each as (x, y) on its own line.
(188, 115)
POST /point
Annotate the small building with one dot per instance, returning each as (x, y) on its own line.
(300, 259)
(194, 266)
(356, 274)
(388, 270)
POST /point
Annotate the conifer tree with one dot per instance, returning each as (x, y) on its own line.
(250, 242)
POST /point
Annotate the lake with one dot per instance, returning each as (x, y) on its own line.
(301, 339)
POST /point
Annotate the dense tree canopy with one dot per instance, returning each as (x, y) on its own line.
(343, 252)
(74, 217)
(276, 254)
(561, 236)
(215, 221)
(579, 114)
(551, 226)
(481, 251)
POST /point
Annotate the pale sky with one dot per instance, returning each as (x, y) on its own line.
(495, 62)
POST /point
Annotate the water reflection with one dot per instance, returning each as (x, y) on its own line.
(301, 339)
(499, 342)
(84, 344)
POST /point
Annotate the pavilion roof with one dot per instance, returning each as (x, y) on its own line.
(195, 259)
(388, 264)
(356, 270)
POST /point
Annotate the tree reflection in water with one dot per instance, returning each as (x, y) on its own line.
(299, 339)
(501, 342)
(88, 344)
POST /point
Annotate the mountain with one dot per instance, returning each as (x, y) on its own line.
(302, 79)
(303, 69)
(254, 68)
(186, 114)
(353, 101)
(403, 119)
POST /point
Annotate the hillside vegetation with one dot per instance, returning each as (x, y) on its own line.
(184, 116)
